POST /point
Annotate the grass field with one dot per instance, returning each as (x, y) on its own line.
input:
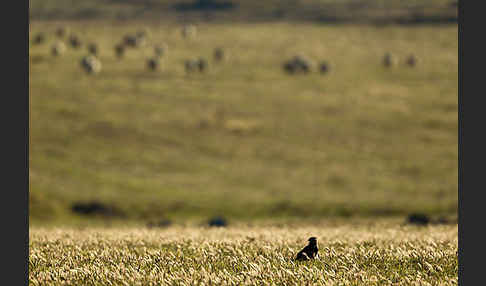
(245, 140)
(343, 156)
(363, 254)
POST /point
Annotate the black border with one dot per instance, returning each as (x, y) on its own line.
(15, 139)
(471, 206)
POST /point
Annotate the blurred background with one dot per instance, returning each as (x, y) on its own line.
(160, 112)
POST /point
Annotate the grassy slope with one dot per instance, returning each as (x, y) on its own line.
(349, 255)
(362, 140)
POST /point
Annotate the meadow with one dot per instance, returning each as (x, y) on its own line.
(245, 139)
(363, 254)
(343, 156)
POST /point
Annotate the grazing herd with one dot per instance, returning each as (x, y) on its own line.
(196, 65)
(91, 63)
(302, 65)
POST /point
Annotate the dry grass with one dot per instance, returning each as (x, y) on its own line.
(378, 254)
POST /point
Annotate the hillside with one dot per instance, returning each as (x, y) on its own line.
(245, 139)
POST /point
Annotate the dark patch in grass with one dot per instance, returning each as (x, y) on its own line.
(200, 5)
(160, 223)
(418, 19)
(94, 208)
(445, 220)
(218, 221)
(418, 219)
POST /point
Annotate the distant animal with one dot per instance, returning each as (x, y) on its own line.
(153, 64)
(91, 64)
(129, 40)
(309, 252)
(218, 54)
(298, 64)
(133, 41)
(120, 50)
(411, 60)
(74, 41)
(202, 64)
(39, 38)
(61, 32)
(93, 49)
(388, 60)
(324, 67)
(289, 67)
(58, 49)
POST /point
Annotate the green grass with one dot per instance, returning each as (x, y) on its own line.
(360, 141)
(380, 254)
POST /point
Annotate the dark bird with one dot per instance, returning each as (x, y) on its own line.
(309, 252)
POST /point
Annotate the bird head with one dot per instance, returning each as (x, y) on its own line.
(312, 240)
